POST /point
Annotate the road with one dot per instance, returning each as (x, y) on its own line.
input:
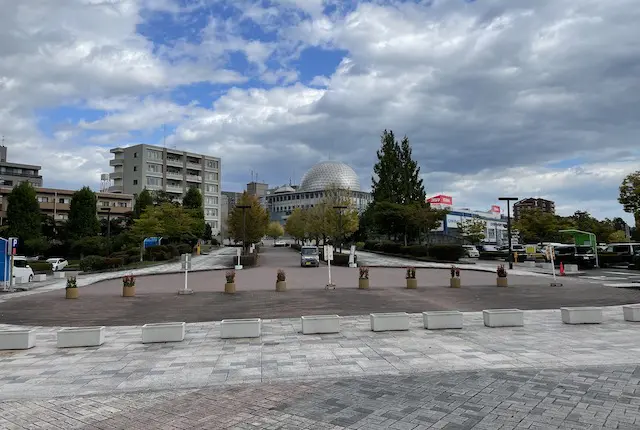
(612, 276)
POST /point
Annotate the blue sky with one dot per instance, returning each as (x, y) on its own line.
(497, 97)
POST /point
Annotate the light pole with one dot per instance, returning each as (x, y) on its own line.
(509, 200)
(244, 224)
(108, 211)
(340, 209)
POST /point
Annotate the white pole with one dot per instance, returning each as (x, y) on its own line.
(329, 266)
(553, 264)
(185, 276)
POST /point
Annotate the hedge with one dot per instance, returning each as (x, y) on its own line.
(40, 266)
(248, 260)
(435, 252)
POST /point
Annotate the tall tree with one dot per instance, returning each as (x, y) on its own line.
(473, 229)
(412, 187)
(386, 182)
(143, 201)
(275, 230)
(296, 224)
(192, 199)
(252, 225)
(83, 217)
(167, 220)
(629, 196)
(23, 213)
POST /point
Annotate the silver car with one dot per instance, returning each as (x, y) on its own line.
(309, 256)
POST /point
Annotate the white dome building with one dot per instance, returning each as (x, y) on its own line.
(321, 177)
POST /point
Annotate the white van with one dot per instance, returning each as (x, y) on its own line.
(21, 268)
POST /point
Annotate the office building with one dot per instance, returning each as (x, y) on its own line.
(170, 170)
(546, 206)
(56, 203)
(12, 174)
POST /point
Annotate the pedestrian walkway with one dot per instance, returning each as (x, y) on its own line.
(216, 259)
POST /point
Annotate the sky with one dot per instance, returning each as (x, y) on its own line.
(497, 97)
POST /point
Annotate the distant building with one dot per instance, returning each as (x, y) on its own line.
(170, 170)
(12, 174)
(56, 203)
(546, 206)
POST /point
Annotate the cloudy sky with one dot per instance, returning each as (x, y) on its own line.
(498, 97)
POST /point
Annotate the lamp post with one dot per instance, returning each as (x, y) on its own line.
(108, 211)
(509, 200)
(340, 208)
(244, 224)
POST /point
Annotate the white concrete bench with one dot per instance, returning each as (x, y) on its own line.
(241, 328)
(503, 317)
(582, 315)
(631, 313)
(17, 339)
(59, 275)
(315, 324)
(22, 279)
(389, 321)
(570, 268)
(436, 320)
(163, 332)
(39, 278)
(529, 263)
(74, 337)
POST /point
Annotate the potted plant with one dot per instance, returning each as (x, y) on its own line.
(281, 280)
(363, 281)
(412, 282)
(128, 286)
(454, 282)
(230, 285)
(501, 281)
(71, 290)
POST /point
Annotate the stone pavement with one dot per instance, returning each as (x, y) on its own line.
(216, 259)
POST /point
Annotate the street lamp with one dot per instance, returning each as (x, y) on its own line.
(244, 224)
(509, 200)
(340, 208)
(108, 211)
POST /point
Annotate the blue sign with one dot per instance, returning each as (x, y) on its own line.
(151, 241)
(5, 260)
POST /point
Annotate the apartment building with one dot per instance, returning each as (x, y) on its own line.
(546, 206)
(170, 170)
(12, 174)
(56, 203)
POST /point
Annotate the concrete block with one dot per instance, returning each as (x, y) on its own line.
(389, 321)
(39, 278)
(163, 332)
(503, 317)
(582, 315)
(240, 328)
(631, 313)
(442, 320)
(320, 324)
(17, 339)
(73, 337)
(59, 275)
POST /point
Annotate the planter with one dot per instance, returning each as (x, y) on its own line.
(454, 283)
(503, 318)
(502, 282)
(363, 284)
(80, 336)
(128, 291)
(17, 339)
(570, 268)
(529, 263)
(281, 286)
(59, 275)
(71, 293)
(581, 315)
(320, 324)
(230, 288)
(22, 280)
(234, 329)
(163, 332)
(39, 278)
(412, 283)
(631, 313)
(389, 321)
(442, 320)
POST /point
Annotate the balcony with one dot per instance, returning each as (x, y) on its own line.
(196, 166)
(116, 162)
(174, 175)
(178, 162)
(175, 189)
(192, 178)
(116, 175)
(116, 189)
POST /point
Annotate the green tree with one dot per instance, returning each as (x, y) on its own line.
(161, 197)
(167, 220)
(254, 224)
(295, 226)
(537, 226)
(83, 216)
(618, 236)
(192, 199)
(208, 232)
(275, 230)
(23, 214)
(629, 196)
(143, 201)
(386, 182)
(412, 187)
(192, 203)
(473, 229)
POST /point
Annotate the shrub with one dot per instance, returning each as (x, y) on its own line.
(71, 282)
(160, 253)
(341, 259)
(249, 260)
(184, 248)
(411, 273)
(364, 272)
(92, 263)
(113, 262)
(360, 245)
(281, 276)
(40, 266)
(214, 242)
(446, 252)
(436, 252)
(296, 246)
(230, 276)
(501, 271)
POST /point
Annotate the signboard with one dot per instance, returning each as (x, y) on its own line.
(530, 249)
(185, 259)
(13, 245)
(441, 199)
(151, 241)
(328, 253)
(238, 252)
(352, 256)
(495, 209)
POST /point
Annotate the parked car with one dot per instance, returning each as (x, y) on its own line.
(471, 251)
(309, 256)
(21, 268)
(57, 263)
(618, 253)
(279, 243)
(583, 256)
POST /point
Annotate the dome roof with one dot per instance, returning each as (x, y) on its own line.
(330, 174)
(284, 189)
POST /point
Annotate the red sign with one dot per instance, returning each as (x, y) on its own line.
(440, 200)
(495, 208)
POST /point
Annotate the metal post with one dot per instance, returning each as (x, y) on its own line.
(509, 200)
(109, 231)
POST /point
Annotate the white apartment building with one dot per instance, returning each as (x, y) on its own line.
(171, 170)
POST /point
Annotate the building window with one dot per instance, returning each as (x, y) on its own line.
(135, 168)
(211, 200)
(212, 176)
(43, 199)
(211, 212)
(135, 182)
(211, 188)
(135, 155)
(156, 182)
(154, 155)
(154, 168)
(213, 164)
